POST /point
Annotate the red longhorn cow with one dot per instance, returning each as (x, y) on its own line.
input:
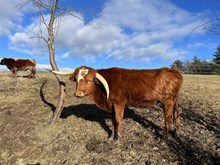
(114, 88)
(16, 65)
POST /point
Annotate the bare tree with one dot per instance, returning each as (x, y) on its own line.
(52, 26)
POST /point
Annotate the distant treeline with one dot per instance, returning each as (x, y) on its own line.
(198, 66)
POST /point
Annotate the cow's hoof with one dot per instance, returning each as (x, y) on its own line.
(110, 138)
(176, 135)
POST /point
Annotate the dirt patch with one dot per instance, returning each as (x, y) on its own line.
(80, 136)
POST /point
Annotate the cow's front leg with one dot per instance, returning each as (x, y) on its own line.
(113, 124)
(14, 74)
(117, 118)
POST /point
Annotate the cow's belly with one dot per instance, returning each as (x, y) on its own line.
(24, 68)
(142, 103)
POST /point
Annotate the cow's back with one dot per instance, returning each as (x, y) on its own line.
(20, 63)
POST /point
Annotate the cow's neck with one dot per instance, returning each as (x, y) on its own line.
(99, 98)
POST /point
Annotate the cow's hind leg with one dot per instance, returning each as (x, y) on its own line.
(32, 74)
(168, 112)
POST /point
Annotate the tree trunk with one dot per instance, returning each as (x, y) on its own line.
(50, 43)
(62, 90)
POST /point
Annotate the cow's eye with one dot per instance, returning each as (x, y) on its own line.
(88, 81)
(72, 78)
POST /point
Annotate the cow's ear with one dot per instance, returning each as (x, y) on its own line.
(72, 78)
(96, 81)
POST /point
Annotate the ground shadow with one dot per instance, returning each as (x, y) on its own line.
(88, 112)
(27, 76)
(130, 113)
(53, 108)
(18, 76)
(210, 123)
(188, 150)
(92, 113)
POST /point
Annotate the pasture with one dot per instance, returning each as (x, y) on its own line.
(80, 135)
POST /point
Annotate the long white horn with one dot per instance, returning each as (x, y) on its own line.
(64, 73)
(104, 82)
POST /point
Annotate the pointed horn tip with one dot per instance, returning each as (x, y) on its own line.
(52, 71)
(67, 73)
(56, 72)
(47, 69)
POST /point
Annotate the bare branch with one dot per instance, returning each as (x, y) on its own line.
(41, 16)
(41, 4)
(19, 6)
(211, 29)
(202, 25)
(36, 36)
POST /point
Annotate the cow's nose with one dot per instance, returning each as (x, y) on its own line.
(79, 94)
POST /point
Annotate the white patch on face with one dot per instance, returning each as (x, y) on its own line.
(82, 73)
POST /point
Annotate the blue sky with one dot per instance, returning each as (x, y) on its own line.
(121, 33)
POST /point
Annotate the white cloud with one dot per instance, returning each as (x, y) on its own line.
(3, 68)
(65, 55)
(11, 16)
(196, 45)
(21, 42)
(27, 40)
(145, 15)
(162, 50)
(7, 17)
(43, 67)
(139, 31)
(96, 42)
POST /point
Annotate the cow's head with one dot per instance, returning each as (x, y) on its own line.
(2, 61)
(85, 79)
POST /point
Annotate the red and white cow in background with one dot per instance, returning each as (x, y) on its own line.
(16, 65)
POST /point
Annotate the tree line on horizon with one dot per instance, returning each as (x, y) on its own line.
(198, 66)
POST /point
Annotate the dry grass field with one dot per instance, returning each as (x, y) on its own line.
(80, 135)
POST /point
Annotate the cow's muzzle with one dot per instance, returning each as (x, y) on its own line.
(79, 94)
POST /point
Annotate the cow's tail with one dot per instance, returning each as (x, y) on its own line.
(176, 108)
(34, 61)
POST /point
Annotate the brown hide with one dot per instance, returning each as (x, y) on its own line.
(16, 65)
(135, 88)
